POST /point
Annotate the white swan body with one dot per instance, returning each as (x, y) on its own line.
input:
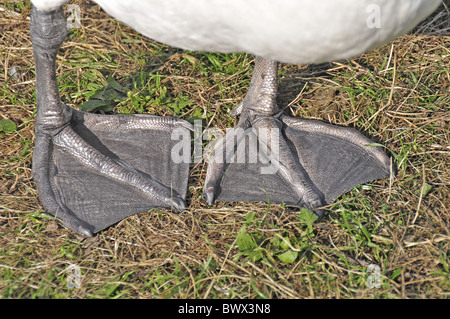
(290, 31)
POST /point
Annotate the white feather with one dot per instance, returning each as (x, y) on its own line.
(292, 31)
(48, 5)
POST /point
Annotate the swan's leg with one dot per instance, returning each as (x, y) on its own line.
(94, 170)
(311, 163)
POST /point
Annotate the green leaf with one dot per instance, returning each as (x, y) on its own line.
(245, 241)
(374, 144)
(7, 126)
(115, 85)
(426, 189)
(249, 218)
(190, 58)
(288, 257)
(260, 294)
(95, 105)
(131, 41)
(307, 217)
(285, 243)
(255, 255)
(396, 273)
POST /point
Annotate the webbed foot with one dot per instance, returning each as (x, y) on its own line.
(94, 170)
(270, 156)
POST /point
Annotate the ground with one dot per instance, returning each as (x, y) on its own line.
(385, 239)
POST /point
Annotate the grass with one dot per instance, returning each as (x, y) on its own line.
(398, 94)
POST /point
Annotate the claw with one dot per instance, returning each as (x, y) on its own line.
(178, 203)
(85, 232)
(209, 195)
(319, 212)
(237, 110)
(315, 207)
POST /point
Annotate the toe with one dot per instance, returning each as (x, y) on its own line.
(208, 195)
(84, 231)
(178, 203)
(319, 212)
(316, 207)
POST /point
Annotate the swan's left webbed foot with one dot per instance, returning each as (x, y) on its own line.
(270, 156)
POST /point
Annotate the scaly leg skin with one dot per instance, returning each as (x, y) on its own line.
(311, 162)
(94, 170)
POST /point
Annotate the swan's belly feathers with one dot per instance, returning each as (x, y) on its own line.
(292, 31)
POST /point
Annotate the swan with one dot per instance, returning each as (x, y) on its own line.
(306, 163)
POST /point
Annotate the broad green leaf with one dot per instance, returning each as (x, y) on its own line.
(307, 217)
(245, 241)
(288, 256)
(95, 105)
(285, 243)
(7, 126)
(115, 85)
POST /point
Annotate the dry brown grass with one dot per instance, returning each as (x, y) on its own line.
(398, 94)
